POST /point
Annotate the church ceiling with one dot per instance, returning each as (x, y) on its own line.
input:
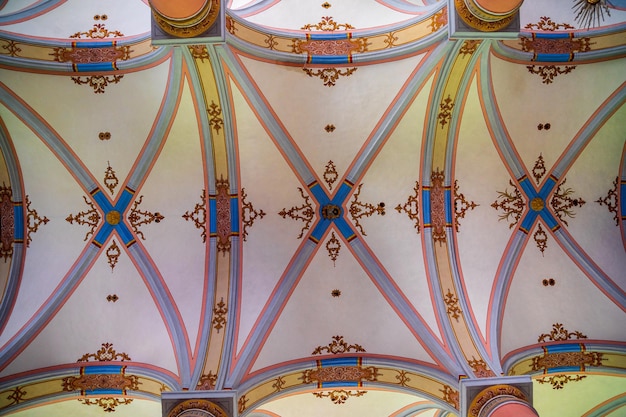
(347, 231)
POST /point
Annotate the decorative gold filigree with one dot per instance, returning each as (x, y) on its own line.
(304, 213)
(214, 111)
(98, 31)
(549, 72)
(16, 396)
(438, 20)
(11, 47)
(511, 203)
(248, 214)
(112, 298)
(98, 82)
(219, 315)
(7, 222)
(562, 203)
(539, 170)
(33, 221)
(558, 381)
(438, 206)
(611, 201)
(278, 384)
(88, 382)
(104, 135)
(105, 354)
(339, 396)
(445, 112)
(451, 396)
(90, 218)
(326, 5)
(452, 303)
(198, 215)
(411, 207)
(242, 404)
(230, 25)
(330, 128)
(558, 359)
(567, 46)
(222, 203)
(337, 346)
(461, 205)
(480, 368)
(390, 39)
(333, 246)
(491, 392)
(110, 180)
(330, 174)
(75, 55)
(541, 238)
(469, 47)
(199, 52)
(107, 403)
(329, 75)
(207, 381)
(327, 24)
(271, 42)
(545, 23)
(402, 378)
(560, 333)
(359, 210)
(340, 373)
(140, 217)
(113, 253)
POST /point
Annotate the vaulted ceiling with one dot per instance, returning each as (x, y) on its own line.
(246, 216)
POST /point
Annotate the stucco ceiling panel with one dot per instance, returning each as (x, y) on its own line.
(532, 308)
(359, 14)
(561, 11)
(394, 238)
(125, 110)
(537, 104)
(312, 315)
(481, 237)
(174, 186)
(54, 194)
(306, 107)
(374, 403)
(579, 397)
(270, 186)
(137, 408)
(128, 17)
(133, 324)
(591, 177)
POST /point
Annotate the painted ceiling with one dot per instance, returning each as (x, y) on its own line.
(241, 216)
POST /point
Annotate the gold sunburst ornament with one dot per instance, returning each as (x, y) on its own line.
(590, 12)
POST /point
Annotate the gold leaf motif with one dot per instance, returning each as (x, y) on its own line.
(445, 112)
(511, 203)
(89, 218)
(461, 205)
(219, 315)
(140, 217)
(207, 381)
(610, 200)
(411, 207)
(33, 221)
(303, 213)
(329, 75)
(359, 209)
(113, 253)
(337, 346)
(549, 72)
(541, 238)
(339, 396)
(562, 203)
(560, 333)
(97, 82)
(248, 214)
(558, 381)
(198, 215)
(105, 354)
(452, 303)
(107, 403)
(98, 31)
(327, 24)
(333, 246)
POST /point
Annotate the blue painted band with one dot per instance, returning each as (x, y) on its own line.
(332, 384)
(339, 362)
(622, 199)
(327, 36)
(212, 215)
(320, 229)
(319, 194)
(344, 228)
(343, 191)
(549, 219)
(103, 233)
(553, 57)
(125, 234)
(102, 370)
(18, 222)
(551, 35)
(528, 220)
(104, 391)
(234, 215)
(124, 200)
(564, 369)
(103, 44)
(563, 348)
(528, 188)
(100, 66)
(447, 204)
(426, 205)
(102, 201)
(330, 59)
(547, 188)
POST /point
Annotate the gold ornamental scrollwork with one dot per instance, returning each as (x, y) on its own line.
(197, 408)
(490, 393)
(193, 26)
